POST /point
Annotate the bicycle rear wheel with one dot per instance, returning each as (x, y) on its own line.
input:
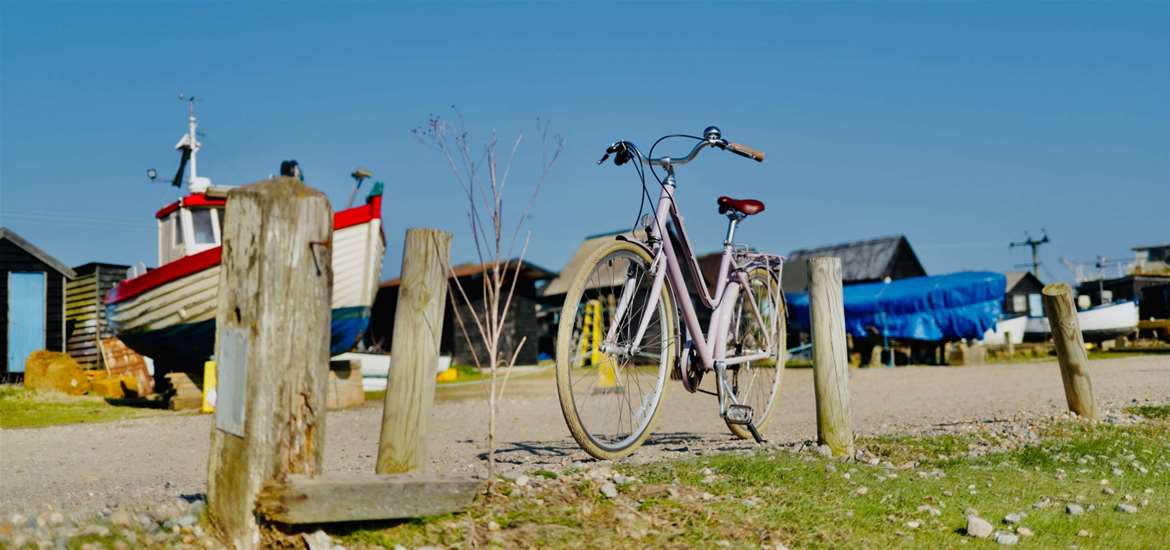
(757, 383)
(609, 391)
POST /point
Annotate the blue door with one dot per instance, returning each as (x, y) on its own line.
(26, 317)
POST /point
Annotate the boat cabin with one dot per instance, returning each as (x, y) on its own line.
(189, 226)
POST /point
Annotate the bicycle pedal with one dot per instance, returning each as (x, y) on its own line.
(739, 414)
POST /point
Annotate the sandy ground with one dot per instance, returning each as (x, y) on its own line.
(86, 468)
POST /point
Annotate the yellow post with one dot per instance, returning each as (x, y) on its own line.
(606, 376)
(595, 333)
(586, 328)
(208, 405)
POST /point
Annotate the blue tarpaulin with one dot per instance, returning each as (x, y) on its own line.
(940, 307)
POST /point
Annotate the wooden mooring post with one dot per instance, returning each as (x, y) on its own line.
(1070, 350)
(271, 347)
(272, 351)
(830, 356)
(418, 329)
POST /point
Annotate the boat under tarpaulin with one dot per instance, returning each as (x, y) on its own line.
(940, 307)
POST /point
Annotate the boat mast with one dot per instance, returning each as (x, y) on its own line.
(192, 125)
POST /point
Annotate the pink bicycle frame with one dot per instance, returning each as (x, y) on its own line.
(711, 348)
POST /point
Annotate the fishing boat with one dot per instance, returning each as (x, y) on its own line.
(1098, 323)
(168, 313)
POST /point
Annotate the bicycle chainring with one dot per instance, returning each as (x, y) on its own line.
(691, 370)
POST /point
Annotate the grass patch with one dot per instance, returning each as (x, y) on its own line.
(1157, 412)
(23, 408)
(806, 501)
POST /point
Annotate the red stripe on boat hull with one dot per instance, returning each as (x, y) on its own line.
(209, 258)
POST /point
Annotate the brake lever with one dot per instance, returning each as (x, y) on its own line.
(620, 151)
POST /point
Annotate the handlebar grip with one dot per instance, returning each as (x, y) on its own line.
(745, 151)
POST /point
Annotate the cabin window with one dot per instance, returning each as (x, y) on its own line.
(203, 225)
(1019, 303)
(176, 228)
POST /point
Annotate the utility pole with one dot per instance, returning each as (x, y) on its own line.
(1035, 246)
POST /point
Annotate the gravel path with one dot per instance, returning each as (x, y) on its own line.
(88, 468)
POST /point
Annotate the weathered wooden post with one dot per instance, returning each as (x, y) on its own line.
(418, 329)
(1011, 346)
(830, 365)
(272, 348)
(1070, 350)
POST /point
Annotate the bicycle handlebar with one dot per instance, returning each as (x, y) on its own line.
(625, 151)
(745, 151)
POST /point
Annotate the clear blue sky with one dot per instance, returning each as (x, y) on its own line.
(960, 125)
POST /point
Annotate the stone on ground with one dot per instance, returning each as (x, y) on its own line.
(978, 527)
(1074, 509)
(1006, 539)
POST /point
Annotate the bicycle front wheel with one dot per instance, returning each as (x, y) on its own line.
(610, 388)
(759, 311)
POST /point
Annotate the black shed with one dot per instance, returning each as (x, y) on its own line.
(866, 261)
(521, 324)
(32, 300)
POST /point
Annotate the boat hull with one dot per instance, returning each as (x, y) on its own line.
(169, 314)
(1014, 326)
(1097, 324)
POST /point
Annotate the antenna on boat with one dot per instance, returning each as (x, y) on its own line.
(359, 175)
(1035, 245)
(188, 147)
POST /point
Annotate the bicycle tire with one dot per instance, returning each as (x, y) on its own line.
(779, 353)
(566, 343)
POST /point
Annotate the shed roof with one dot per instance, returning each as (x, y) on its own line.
(864, 260)
(560, 285)
(527, 269)
(11, 236)
(1016, 277)
(1150, 247)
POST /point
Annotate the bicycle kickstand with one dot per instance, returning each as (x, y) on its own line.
(751, 426)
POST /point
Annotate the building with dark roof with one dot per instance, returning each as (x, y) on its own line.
(1022, 295)
(32, 302)
(520, 325)
(864, 261)
(86, 324)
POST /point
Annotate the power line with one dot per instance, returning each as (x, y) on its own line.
(1035, 246)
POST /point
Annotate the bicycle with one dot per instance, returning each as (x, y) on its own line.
(620, 328)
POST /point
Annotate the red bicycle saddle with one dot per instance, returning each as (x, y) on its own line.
(746, 207)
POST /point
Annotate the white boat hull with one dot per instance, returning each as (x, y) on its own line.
(1097, 324)
(1014, 326)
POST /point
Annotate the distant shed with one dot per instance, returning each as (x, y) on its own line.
(865, 261)
(85, 314)
(32, 299)
(521, 322)
(1023, 295)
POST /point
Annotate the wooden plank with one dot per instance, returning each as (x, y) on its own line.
(418, 328)
(1070, 350)
(334, 498)
(272, 349)
(830, 356)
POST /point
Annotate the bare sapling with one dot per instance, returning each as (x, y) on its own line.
(483, 176)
